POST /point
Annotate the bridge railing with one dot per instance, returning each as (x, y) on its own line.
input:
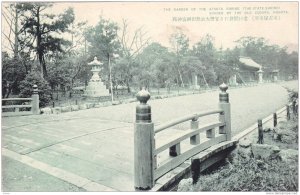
(34, 105)
(147, 145)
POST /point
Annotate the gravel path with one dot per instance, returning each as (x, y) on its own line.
(247, 105)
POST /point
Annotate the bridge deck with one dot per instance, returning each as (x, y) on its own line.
(98, 150)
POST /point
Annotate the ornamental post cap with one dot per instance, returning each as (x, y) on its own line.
(35, 89)
(223, 87)
(143, 96)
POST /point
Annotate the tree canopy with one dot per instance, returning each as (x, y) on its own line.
(58, 49)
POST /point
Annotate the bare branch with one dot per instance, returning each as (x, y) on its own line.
(9, 21)
(10, 42)
(9, 11)
(140, 47)
(124, 32)
(42, 8)
(134, 39)
(132, 46)
(7, 47)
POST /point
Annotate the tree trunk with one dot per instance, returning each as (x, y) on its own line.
(128, 87)
(16, 35)
(40, 51)
(180, 76)
(45, 75)
(204, 79)
(71, 88)
(8, 91)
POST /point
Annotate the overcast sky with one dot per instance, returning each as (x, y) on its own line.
(159, 23)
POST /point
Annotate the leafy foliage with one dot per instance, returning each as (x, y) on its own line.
(26, 87)
(37, 45)
(156, 63)
(270, 56)
(208, 55)
(180, 47)
(42, 28)
(12, 73)
(64, 72)
(255, 175)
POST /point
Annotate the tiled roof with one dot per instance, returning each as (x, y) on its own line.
(249, 62)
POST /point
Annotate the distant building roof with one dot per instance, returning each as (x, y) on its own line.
(246, 61)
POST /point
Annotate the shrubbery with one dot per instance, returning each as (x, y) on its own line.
(35, 78)
(255, 175)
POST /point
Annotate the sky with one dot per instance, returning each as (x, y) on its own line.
(157, 18)
(160, 19)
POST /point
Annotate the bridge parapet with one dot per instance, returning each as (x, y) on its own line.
(34, 105)
(150, 143)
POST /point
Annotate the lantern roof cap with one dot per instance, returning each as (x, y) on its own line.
(95, 62)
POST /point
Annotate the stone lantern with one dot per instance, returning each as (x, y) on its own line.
(232, 79)
(195, 81)
(275, 75)
(96, 88)
(96, 67)
(260, 75)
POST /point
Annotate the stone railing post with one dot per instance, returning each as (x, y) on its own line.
(144, 160)
(35, 101)
(275, 119)
(288, 115)
(260, 132)
(225, 116)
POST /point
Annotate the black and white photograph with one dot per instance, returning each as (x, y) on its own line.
(149, 96)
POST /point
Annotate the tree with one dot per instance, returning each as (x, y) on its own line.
(207, 53)
(154, 67)
(78, 38)
(227, 64)
(12, 73)
(11, 16)
(132, 45)
(288, 65)
(252, 47)
(259, 50)
(12, 43)
(70, 66)
(103, 42)
(66, 71)
(123, 72)
(191, 65)
(180, 46)
(42, 28)
(270, 56)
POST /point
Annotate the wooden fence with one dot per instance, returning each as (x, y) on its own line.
(146, 136)
(16, 110)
